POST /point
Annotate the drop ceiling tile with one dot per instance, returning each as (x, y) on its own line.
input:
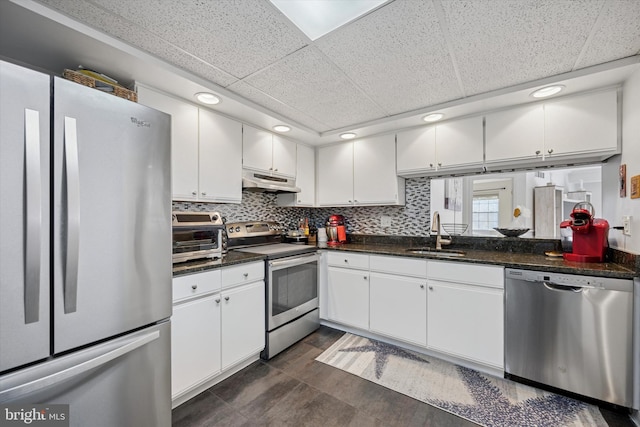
(397, 55)
(134, 35)
(260, 98)
(617, 35)
(307, 82)
(238, 38)
(500, 43)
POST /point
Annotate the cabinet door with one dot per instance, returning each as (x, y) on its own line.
(515, 134)
(195, 342)
(305, 180)
(257, 149)
(348, 297)
(398, 307)
(184, 141)
(243, 322)
(284, 156)
(459, 143)
(220, 158)
(582, 124)
(374, 170)
(466, 321)
(335, 175)
(416, 150)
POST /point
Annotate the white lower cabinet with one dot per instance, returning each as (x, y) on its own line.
(465, 311)
(243, 324)
(195, 342)
(218, 323)
(398, 307)
(348, 297)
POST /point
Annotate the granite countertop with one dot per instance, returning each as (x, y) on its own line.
(528, 261)
(502, 255)
(231, 258)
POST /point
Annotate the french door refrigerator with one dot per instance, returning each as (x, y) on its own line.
(85, 252)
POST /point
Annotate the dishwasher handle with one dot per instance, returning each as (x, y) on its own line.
(565, 288)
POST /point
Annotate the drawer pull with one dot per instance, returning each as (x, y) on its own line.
(346, 260)
(430, 288)
(194, 287)
(246, 275)
(217, 300)
(226, 298)
(421, 286)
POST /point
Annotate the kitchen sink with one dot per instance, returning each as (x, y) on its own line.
(444, 253)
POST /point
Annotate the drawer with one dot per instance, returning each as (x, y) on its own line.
(400, 266)
(348, 260)
(196, 284)
(242, 273)
(466, 273)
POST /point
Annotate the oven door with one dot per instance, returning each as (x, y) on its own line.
(292, 288)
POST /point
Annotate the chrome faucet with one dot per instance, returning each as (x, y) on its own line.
(435, 226)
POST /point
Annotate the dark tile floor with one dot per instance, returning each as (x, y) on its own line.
(292, 389)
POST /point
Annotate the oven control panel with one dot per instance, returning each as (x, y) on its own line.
(236, 230)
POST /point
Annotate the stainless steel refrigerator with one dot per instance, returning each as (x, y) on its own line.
(85, 252)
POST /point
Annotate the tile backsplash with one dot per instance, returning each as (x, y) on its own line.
(409, 220)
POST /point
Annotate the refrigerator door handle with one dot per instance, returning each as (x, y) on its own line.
(71, 167)
(33, 209)
(65, 374)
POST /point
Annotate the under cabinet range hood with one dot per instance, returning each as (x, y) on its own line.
(258, 182)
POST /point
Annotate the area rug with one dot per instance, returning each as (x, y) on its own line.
(478, 397)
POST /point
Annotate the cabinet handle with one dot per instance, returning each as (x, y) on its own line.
(194, 193)
(347, 261)
(246, 275)
(270, 169)
(226, 298)
(194, 287)
(550, 150)
(430, 165)
(365, 277)
(537, 152)
(439, 164)
(430, 288)
(299, 201)
(204, 193)
(349, 201)
(217, 300)
(276, 169)
(421, 286)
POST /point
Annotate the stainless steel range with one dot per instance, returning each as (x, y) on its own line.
(291, 272)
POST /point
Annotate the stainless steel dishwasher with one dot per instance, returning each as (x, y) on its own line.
(571, 332)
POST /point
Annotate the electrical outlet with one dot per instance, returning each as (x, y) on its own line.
(385, 221)
(626, 225)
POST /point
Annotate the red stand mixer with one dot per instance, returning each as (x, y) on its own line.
(590, 235)
(336, 230)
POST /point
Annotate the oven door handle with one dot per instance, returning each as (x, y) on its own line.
(292, 261)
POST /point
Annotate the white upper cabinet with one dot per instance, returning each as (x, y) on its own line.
(335, 175)
(459, 144)
(515, 134)
(199, 139)
(582, 124)
(578, 128)
(184, 141)
(269, 153)
(220, 139)
(452, 146)
(416, 150)
(374, 173)
(305, 180)
(360, 172)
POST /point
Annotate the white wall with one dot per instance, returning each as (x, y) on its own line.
(614, 206)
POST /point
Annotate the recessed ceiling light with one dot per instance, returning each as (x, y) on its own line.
(318, 17)
(281, 128)
(547, 91)
(347, 135)
(433, 117)
(207, 98)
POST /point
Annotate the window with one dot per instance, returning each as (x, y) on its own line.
(486, 212)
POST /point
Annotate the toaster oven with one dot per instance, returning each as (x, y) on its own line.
(197, 235)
